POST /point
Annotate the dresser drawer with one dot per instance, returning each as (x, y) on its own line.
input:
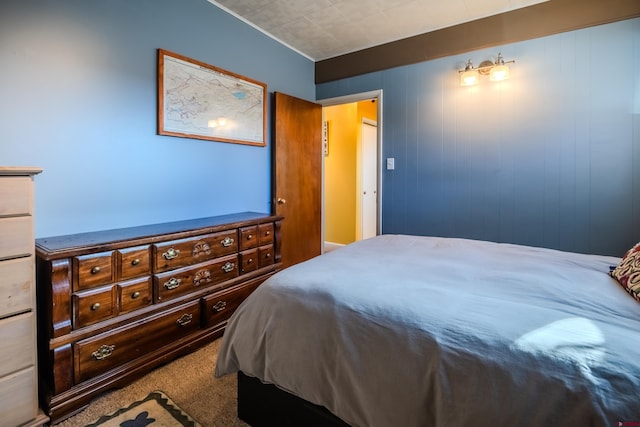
(248, 261)
(175, 283)
(184, 252)
(93, 306)
(16, 237)
(98, 354)
(93, 270)
(248, 237)
(218, 307)
(135, 294)
(16, 285)
(265, 233)
(18, 345)
(134, 262)
(16, 196)
(18, 401)
(265, 255)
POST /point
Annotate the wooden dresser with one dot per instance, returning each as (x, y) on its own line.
(115, 304)
(18, 369)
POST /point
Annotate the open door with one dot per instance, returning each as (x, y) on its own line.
(297, 183)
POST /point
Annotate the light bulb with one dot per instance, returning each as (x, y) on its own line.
(499, 73)
(469, 78)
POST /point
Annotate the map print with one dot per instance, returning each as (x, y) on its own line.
(201, 101)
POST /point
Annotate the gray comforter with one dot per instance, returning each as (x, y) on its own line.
(419, 331)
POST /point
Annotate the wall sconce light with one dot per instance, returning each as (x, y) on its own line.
(497, 71)
(470, 75)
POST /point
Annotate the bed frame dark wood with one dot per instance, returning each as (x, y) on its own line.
(265, 405)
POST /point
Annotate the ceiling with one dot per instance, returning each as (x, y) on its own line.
(322, 29)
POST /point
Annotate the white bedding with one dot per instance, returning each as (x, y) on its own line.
(420, 331)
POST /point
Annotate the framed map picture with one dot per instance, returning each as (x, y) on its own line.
(198, 100)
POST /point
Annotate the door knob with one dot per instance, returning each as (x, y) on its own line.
(281, 201)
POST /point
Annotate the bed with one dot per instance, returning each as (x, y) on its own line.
(403, 330)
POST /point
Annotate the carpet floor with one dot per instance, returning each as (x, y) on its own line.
(188, 381)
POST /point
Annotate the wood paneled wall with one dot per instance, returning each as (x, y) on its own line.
(549, 158)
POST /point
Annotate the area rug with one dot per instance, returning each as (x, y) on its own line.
(154, 410)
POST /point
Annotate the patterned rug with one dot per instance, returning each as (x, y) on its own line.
(154, 410)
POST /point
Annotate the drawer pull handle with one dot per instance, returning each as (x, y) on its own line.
(219, 306)
(95, 306)
(171, 254)
(267, 233)
(172, 284)
(268, 255)
(95, 270)
(135, 261)
(228, 267)
(185, 319)
(249, 237)
(103, 352)
(227, 241)
(135, 295)
(250, 261)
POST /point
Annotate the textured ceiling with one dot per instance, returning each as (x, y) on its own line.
(321, 29)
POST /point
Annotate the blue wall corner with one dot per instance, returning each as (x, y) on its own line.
(79, 99)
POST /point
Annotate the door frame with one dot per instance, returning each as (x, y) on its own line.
(348, 99)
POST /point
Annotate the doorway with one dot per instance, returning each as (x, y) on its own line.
(351, 168)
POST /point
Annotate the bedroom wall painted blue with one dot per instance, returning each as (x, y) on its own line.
(78, 85)
(549, 158)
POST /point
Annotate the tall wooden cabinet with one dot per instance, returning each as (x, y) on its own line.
(18, 366)
(114, 304)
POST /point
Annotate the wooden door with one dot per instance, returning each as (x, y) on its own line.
(297, 183)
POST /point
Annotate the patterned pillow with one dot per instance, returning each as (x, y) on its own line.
(627, 273)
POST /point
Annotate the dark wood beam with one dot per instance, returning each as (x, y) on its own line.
(543, 19)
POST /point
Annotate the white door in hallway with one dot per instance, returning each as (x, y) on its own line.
(369, 196)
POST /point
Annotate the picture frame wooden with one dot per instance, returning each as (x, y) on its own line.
(201, 101)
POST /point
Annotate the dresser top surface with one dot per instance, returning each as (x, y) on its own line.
(19, 170)
(50, 247)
